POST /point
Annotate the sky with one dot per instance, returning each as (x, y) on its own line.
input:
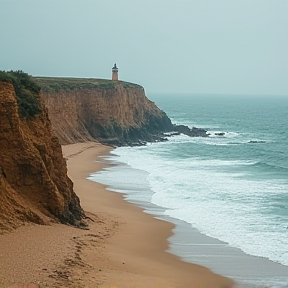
(167, 46)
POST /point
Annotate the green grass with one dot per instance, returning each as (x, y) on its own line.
(56, 84)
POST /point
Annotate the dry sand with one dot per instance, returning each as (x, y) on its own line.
(124, 247)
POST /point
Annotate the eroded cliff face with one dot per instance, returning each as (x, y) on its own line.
(34, 185)
(117, 114)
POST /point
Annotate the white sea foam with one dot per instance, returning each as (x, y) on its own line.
(220, 204)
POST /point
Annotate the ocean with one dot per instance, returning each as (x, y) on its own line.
(227, 194)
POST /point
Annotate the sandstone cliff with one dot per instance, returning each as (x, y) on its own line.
(34, 185)
(112, 112)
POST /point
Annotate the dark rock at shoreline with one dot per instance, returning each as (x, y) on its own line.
(219, 133)
(194, 132)
(256, 141)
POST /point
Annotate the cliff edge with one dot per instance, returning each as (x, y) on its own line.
(34, 186)
(111, 112)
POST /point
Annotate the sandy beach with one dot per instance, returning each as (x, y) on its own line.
(123, 247)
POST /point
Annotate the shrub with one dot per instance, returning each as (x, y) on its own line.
(26, 91)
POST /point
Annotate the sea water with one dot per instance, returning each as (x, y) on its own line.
(231, 186)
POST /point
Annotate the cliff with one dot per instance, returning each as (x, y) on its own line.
(34, 185)
(112, 112)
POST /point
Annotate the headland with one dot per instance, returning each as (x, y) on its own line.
(107, 241)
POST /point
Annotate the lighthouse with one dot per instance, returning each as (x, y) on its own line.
(115, 72)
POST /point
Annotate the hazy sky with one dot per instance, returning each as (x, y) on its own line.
(195, 46)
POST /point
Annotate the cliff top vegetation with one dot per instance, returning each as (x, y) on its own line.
(55, 84)
(27, 92)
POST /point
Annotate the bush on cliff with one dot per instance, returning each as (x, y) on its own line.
(26, 91)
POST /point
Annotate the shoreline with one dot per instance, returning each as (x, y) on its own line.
(137, 251)
(123, 247)
(192, 246)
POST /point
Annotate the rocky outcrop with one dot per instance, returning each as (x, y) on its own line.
(192, 132)
(112, 112)
(34, 185)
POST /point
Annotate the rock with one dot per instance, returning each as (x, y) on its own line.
(219, 133)
(256, 141)
(194, 132)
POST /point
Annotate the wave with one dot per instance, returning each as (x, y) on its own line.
(220, 138)
(206, 193)
(269, 167)
(224, 139)
(249, 142)
(221, 134)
